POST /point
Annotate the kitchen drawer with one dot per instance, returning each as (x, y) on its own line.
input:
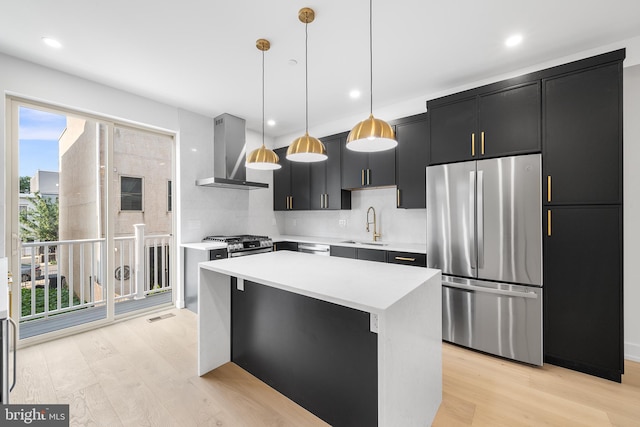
(285, 246)
(217, 254)
(407, 258)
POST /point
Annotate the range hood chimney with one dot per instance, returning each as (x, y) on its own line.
(229, 154)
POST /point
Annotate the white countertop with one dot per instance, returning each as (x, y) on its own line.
(204, 246)
(363, 285)
(385, 246)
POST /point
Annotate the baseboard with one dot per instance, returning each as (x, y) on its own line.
(632, 351)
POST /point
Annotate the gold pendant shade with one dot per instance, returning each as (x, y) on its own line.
(262, 158)
(371, 135)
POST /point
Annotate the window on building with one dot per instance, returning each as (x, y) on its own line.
(130, 193)
(169, 196)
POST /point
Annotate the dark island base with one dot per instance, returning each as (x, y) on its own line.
(320, 355)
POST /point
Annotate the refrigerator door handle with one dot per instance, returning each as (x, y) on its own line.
(472, 220)
(15, 350)
(480, 209)
(473, 288)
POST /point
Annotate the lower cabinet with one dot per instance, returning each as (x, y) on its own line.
(407, 258)
(394, 257)
(285, 246)
(583, 316)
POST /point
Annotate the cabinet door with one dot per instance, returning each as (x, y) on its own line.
(371, 254)
(381, 168)
(343, 251)
(285, 246)
(407, 258)
(411, 162)
(337, 198)
(509, 121)
(318, 185)
(354, 166)
(281, 182)
(583, 137)
(300, 185)
(453, 132)
(583, 289)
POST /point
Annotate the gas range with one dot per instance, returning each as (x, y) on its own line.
(244, 244)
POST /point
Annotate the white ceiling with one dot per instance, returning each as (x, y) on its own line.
(200, 55)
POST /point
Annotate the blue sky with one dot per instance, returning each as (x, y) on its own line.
(38, 134)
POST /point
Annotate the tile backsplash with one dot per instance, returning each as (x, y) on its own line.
(395, 225)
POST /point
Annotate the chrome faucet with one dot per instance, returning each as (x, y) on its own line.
(376, 235)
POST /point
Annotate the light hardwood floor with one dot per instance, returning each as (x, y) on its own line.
(137, 373)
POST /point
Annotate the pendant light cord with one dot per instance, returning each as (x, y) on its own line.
(263, 98)
(306, 75)
(371, 56)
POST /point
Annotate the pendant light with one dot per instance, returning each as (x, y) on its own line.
(306, 148)
(371, 134)
(262, 158)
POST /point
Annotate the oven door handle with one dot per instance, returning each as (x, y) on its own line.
(250, 252)
(472, 288)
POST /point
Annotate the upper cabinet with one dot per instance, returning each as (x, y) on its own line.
(363, 170)
(494, 123)
(412, 158)
(325, 190)
(291, 184)
(583, 137)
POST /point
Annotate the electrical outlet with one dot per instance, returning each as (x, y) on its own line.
(342, 223)
(294, 222)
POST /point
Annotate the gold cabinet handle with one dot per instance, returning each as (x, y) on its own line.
(473, 144)
(398, 198)
(482, 143)
(402, 258)
(549, 222)
(361, 176)
(548, 188)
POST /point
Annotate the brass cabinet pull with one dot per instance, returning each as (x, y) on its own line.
(402, 258)
(548, 188)
(321, 201)
(549, 222)
(473, 144)
(398, 198)
(361, 176)
(368, 176)
(482, 143)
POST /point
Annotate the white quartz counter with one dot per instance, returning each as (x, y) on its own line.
(364, 285)
(382, 245)
(204, 246)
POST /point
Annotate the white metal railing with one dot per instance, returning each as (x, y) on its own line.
(77, 268)
(153, 260)
(73, 267)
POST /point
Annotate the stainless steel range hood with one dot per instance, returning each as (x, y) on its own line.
(229, 154)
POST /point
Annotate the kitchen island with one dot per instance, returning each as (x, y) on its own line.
(354, 342)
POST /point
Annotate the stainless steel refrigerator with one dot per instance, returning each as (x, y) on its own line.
(484, 231)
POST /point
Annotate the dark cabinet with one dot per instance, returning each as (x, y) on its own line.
(291, 184)
(407, 258)
(583, 289)
(411, 161)
(493, 124)
(362, 170)
(285, 246)
(358, 253)
(325, 189)
(583, 137)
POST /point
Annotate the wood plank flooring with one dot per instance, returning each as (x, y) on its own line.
(137, 373)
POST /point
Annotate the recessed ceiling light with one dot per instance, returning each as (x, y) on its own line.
(52, 42)
(271, 122)
(514, 40)
(354, 94)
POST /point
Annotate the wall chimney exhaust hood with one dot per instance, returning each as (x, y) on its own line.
(229, 153)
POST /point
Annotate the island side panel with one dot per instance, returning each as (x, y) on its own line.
(410, 357)
(321, 355)
(214, 320)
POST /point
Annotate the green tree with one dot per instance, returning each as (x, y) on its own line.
(25, 184)
(40, 220)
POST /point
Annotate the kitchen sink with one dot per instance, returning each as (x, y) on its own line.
(354, 242)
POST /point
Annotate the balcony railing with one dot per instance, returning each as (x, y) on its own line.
(63, 276)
